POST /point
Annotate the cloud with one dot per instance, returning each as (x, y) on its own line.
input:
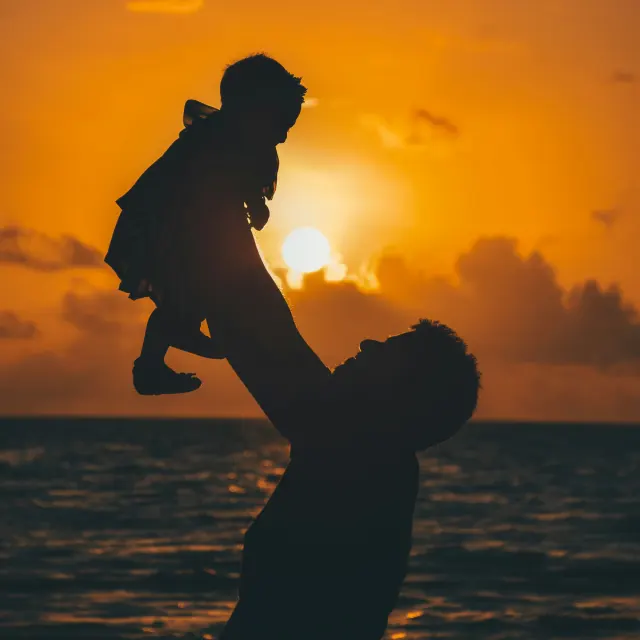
(91, 372)
(512, 308)
(623, 77)
(35, 250)
(13, 327)
(600, 328)
(546, 352)
(532, 391)
(508, 305)
(387, 134)
(334, 317)
(437, 122)
(606, 217)
(99, 312)
(421, 130)
(165, 6)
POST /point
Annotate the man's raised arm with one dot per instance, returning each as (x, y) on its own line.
(263, 345)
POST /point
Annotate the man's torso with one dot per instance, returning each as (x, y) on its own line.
(329, 551)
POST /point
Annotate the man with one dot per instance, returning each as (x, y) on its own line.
(327, 556)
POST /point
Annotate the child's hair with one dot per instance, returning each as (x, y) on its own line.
(259, 78)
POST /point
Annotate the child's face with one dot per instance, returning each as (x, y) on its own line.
(285, 121)
(271, 124)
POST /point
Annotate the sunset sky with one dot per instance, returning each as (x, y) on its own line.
(470, 160)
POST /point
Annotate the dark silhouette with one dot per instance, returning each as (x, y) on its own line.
(223, 165)
(328, 554)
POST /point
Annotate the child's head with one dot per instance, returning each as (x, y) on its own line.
(264, 95)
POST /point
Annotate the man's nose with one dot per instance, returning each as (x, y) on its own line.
(368, 345)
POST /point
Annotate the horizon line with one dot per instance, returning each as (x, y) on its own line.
(165, 419)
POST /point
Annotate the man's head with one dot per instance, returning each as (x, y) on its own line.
(416, 389)
(264, 95)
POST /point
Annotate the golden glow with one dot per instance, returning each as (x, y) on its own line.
(306, 250)
(492, 142)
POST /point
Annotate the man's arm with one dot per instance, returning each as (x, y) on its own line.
(261, 340)
(243, 304)
(267, 352)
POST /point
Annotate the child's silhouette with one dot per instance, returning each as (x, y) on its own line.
(224, 163)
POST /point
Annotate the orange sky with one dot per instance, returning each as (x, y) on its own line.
(525, 130)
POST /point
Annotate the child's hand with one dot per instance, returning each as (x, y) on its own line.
(258, 213)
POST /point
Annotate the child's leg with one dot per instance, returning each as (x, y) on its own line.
(156, 339)
(165, 329)
(190, 338)
(151, 376)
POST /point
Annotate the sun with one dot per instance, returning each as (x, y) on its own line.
(306, 250)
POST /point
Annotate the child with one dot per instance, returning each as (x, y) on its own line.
(224, 163)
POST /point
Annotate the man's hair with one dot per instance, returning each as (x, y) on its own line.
(441, 393)
(257, 78)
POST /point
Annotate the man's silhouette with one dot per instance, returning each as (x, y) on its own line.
(326, 557)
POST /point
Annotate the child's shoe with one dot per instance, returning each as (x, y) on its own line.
(157, 380)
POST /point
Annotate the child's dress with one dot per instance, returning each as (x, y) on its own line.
(157, 247)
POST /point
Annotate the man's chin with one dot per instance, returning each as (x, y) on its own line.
(344, 369)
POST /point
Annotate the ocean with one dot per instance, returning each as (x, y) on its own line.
(133, 529)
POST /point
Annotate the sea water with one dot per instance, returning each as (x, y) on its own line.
(133, 529)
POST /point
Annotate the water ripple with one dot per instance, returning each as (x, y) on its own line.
(129, 529)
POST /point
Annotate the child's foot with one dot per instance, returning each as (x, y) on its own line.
(156, 380)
